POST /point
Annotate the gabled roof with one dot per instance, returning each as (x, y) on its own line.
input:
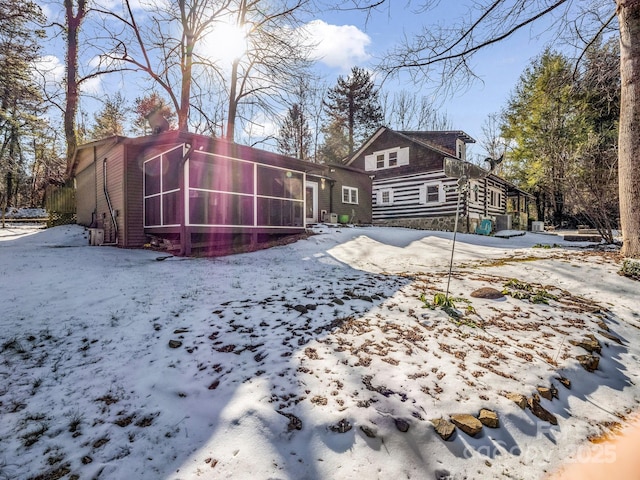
(426, 139)
(435, 135)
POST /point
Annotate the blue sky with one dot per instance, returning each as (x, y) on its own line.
(351, 38)
(498, 66)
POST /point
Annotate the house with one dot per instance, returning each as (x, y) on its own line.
(411, 188)
(193, 191)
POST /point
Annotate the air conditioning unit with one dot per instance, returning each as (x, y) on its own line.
(96, 236)
(503, 222)
(333, 218)
(537, 226)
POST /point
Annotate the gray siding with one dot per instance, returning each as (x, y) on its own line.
(115, 190)
(86, 195)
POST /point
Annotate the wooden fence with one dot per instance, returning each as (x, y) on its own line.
(60, 203)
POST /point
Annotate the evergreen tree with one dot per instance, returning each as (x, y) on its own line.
(334, 148)
(21, 105)
(110, 120)
(595, 182)
(295, 136)
(543, 123)
(354, 112)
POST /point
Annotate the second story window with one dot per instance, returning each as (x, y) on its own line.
(383, 159)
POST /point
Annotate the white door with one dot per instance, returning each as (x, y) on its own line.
(311, 202)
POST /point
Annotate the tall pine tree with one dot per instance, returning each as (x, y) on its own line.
(354, 113)
(21, 105)
(295, 136)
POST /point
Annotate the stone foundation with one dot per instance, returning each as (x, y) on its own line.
(443, 224)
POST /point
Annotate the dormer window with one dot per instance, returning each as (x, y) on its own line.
(390, 158)
(461, 149)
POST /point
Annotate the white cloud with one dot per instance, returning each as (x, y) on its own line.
(51, 68)
(92, 86)
(337, 46)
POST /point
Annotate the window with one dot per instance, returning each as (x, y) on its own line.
(349, 195)
(162, 189)
(432, 193)
(475, 189)
(393, 157)
(461, 148)
(385, 197)
(495, 198)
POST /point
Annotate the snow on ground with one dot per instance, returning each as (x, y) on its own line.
(306, 361)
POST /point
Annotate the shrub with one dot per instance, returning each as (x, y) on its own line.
(631, 268)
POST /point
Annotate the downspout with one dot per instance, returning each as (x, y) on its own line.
(183, 204)
(106, 196)
(331, 184)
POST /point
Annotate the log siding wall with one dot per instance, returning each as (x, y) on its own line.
(406, 197)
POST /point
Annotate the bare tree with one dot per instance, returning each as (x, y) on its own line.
(275, 58)
(492, 141)
(170, 48)
(443, 55)
(405, 111)
(164, 48)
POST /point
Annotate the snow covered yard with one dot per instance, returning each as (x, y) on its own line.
(314, 360)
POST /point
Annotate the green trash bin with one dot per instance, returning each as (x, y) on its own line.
(343, 219)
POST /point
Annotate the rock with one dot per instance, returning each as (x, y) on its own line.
(175, 343)
(86, 460)
(368, 431)
(546, 393)
(487, 292)
(443, 427)
(589, 343)
(609, 336)
(589, 362)
(337, 301)
(402, 425)
(300, 308)
(565, 381)
(539, 411)
(342, 426)
(520, 399)
(178, 331)
(489, 418)
(467, 423)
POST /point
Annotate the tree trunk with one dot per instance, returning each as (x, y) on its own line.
(185, 90)
(73, 27)
(628, 12)
(233, 103)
